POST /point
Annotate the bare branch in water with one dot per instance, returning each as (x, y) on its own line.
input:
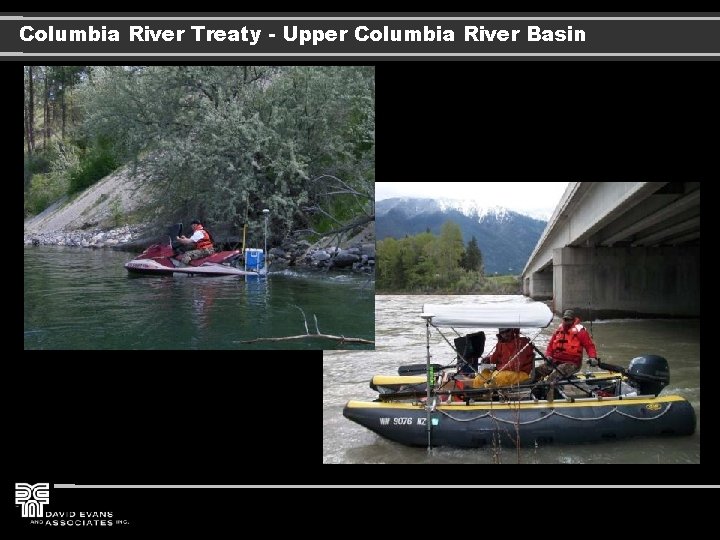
(341, 339)
(304, 318)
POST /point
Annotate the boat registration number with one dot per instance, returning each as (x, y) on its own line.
(403, 421)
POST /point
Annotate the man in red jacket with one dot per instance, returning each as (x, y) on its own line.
(565, 349)
(513, 358)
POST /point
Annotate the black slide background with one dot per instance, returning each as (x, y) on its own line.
(184, 417)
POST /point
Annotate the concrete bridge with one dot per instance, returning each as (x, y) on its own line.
(620, 249)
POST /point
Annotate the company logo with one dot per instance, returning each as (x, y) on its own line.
(32, 497)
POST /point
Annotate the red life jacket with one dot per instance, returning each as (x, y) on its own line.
(505, 351)
(566, 345)
(205, 242)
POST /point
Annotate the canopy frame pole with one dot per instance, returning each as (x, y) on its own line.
(430, 380)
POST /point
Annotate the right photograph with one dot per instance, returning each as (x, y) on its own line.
(526, 322)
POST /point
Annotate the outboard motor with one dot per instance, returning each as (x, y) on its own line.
(649, 374)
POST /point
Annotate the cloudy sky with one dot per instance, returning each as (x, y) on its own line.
(537, 199)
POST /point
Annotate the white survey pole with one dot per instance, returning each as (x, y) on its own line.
(266, 213)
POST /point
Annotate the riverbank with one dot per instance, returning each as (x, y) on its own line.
(488, 285)
(96, 238)
(114, 213)
(356, 254)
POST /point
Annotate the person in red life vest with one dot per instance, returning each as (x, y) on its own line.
(200, 240)
(565, 349)
(513, 358)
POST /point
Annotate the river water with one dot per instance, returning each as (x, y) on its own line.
(401, 339)
(78, 298)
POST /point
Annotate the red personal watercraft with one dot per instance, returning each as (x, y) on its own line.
(165, 259)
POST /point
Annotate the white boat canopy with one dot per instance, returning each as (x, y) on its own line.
(490, 315)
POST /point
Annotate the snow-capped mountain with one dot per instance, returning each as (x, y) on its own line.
(506, 238)
(411, 206)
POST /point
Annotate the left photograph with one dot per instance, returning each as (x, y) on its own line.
(199, 207)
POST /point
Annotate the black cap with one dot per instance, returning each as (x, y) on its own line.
(195, 222)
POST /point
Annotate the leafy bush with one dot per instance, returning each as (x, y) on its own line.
(340, 210)
(44, 190)
(38, 163)
(95, 163)
(467, 283)
(502, 285)
(116, 211)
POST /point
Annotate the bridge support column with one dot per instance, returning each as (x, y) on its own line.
(609, 282)
(539, 286)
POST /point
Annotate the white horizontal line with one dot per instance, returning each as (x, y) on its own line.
(174, 486)
(351, 486)
(357, 54)
(360, 18)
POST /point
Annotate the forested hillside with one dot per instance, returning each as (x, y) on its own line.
(429, 263)
(219, 143)
(506, 238)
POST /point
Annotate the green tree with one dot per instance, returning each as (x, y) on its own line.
(428, 263)
(390, 272)
(29, 110)
(224, 142)
(449, 252)
(49, 99)
(418, 271)
(472, 258)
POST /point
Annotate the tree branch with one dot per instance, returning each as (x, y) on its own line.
(341, 339)
(314, 209)
(346, 189)
(361, 221)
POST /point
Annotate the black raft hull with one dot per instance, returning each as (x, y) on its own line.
(526, 423)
